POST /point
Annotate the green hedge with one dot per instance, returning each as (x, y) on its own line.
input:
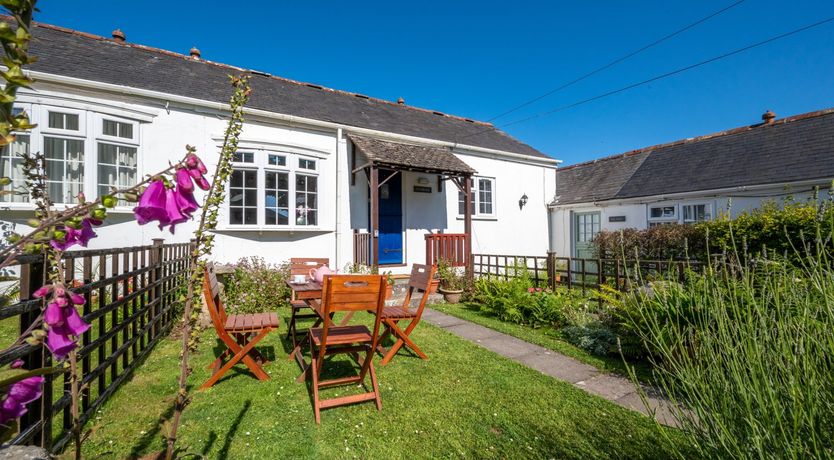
(785, 230)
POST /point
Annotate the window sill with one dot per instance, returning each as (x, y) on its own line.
(263, 229)
(59, 207)
(481, 218)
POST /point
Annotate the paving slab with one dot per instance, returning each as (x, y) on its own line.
(509, 346)
(559, 366)
(472, 331)
(616, 389)
(610, 387)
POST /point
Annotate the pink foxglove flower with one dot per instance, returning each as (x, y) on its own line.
(20, 393)
(194, 162)
(152, 205)
(63, 322)
(174, 215)
(184, 183)
(75, 236)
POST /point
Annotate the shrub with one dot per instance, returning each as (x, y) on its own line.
(663, 242)
(746, 355)
(256, 286)
(516, 300)
(776, 228)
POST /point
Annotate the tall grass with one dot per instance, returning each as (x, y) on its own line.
(745, 353)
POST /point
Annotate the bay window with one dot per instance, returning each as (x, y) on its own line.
(273, 190)
(481, 198)
(84, 151)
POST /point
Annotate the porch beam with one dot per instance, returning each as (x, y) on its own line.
(374, 192)
(359, 168)
(389, 178)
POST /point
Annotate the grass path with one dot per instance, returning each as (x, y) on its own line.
(465, 402)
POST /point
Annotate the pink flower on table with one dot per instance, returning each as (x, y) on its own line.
(20, 394)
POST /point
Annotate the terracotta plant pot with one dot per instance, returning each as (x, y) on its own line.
(389, 291)
(434, 284)
(451, 296)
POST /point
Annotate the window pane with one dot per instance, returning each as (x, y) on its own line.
(306, 164)
(107, 153)
(11, 166)
(276, 198)
(64, 168)
(109, 128)
(58, 120)
(116, 168)
(243, 157)
(243, 193)
(126, 130)
(277, 160)
(305, 200)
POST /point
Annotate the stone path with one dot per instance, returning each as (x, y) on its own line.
(614, 388)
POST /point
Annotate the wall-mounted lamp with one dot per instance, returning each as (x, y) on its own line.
(423, 180)
(522, 201)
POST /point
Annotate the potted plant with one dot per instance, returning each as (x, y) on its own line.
(451, 283)
(389, 290)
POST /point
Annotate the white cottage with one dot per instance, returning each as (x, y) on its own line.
(694, 179)
(319, 172)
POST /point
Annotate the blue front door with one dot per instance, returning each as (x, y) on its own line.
(390, 218)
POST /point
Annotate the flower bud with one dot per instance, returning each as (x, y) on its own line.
(5, 181)
(33, 223)
(131, 197)
(99, 214)
(109, 201)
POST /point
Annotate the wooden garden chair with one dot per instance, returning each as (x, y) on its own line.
(301, 266)
(347, 293)
(420, 280)
(240, 333)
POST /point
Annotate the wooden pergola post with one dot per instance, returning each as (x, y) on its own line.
(374, 230)
(467, 224)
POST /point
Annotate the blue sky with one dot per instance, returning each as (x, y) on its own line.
(479, 59)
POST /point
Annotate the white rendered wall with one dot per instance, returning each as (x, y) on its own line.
(167, 127)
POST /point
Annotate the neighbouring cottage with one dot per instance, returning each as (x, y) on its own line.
(692, 180)
(319, 172)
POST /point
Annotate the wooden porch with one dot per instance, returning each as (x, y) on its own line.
(370, 156)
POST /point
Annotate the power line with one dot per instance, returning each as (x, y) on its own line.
(658, 77)
(618, 60)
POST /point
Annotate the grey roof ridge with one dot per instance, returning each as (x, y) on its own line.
(718, 134)
(252, 71)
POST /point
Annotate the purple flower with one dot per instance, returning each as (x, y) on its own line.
(174, 216)
(20, 393)
(75, 236)
(194, 162)
(184, 181)
(42, 291)
(63, 322)
(185, 202)
(152, 205)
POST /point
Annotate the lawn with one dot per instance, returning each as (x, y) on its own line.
(545, 336)
(464, 402)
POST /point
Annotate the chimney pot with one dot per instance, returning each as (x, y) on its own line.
(118, 35)
(401, 101)
(768, 117)
(195, 53)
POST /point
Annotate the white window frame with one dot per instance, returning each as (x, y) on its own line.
(91, 132)
(707, 211)
(475, 189)
(663, 219)
(7, 200)
(261, 164)
(99, 137)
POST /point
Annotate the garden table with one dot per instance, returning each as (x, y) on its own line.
(310, 293)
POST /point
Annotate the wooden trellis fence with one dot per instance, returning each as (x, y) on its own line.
(131, 301)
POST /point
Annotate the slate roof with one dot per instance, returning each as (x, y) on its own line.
(792, 149)
(409, 156)
(76, 54)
